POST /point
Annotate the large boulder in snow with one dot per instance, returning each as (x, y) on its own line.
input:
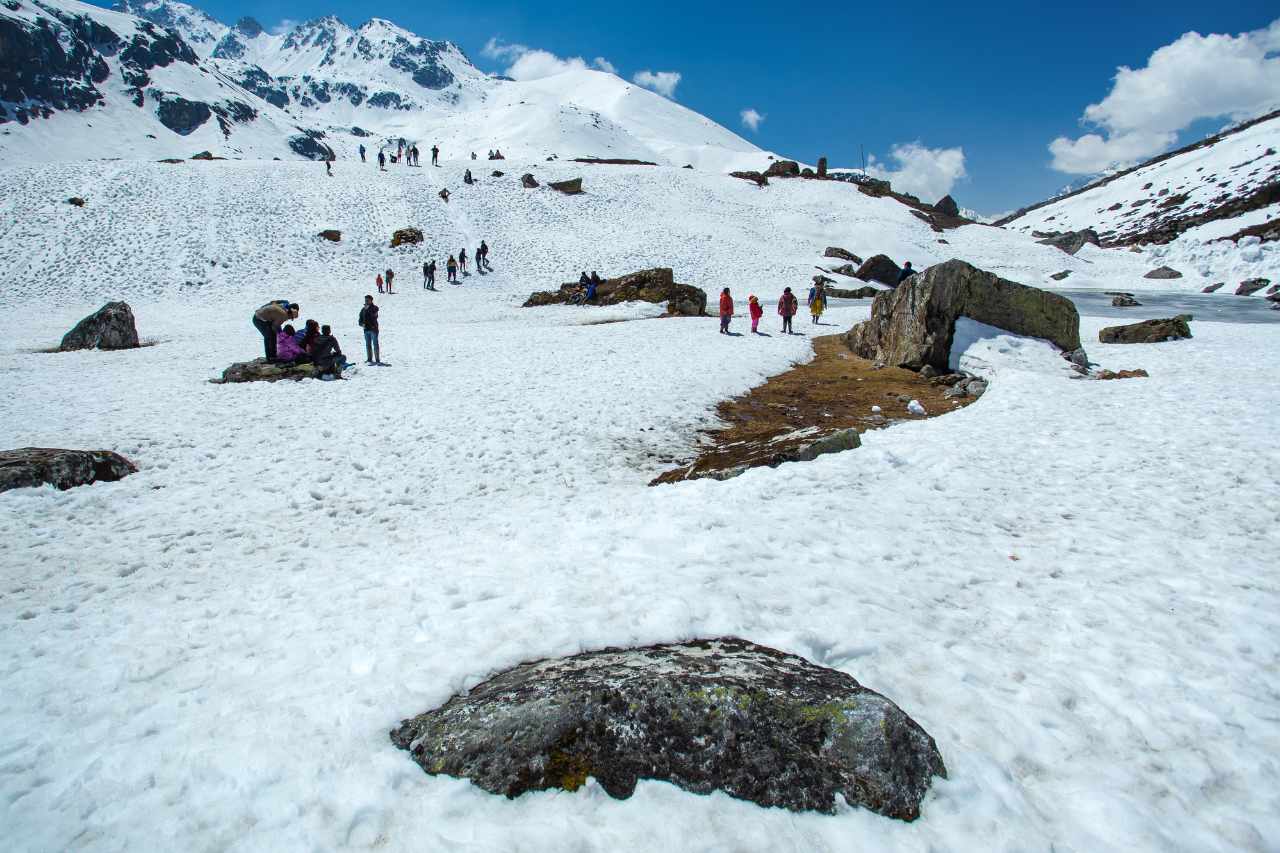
(879, 268)
(406, 237)
(707, 715)
(1147, 332)
(62, 469)
(913, 325)
(1163, 272)
(573, 186)
(110, 327)
(261, 370)
(842, 254)
(655, 285)
(1252, 286)
(755, 177)
(783, 169)
(1070, 242)
(947, 206)
(528, 181)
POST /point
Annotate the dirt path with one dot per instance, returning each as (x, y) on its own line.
(834, 392)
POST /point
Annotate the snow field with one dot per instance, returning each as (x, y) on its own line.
(209, 654)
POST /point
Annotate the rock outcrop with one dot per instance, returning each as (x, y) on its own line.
(841, 254)
(913, 325)
(406, 237)
(1147, 332)
(1214, 288)
(947, 206)
(1060, 276)
(1252, 286)
(528, 182)
(853, 293)
(1163, 272)
(755, 177)
(879, 268)
(1070, 242)
(707, 715)
(656, 285)
(573, 186)
(783, 169)
(1124, 300)
(62, 469)
(110, 327)
(261, 370)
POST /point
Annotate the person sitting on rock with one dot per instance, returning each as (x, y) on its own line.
(592, 284)
(787, 305)
(307, 337)
(287, 347)
(328, 355)
(482, 256)
(269, 318)
(906, 273)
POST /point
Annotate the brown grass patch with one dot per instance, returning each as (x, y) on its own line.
(835, 391)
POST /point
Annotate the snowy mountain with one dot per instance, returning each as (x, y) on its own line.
(158, 78)
(1210, 189)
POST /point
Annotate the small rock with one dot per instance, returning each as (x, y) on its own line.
(957, 390)
(976, 387)
(76, 201)
(845, 439)
(498, 174)
(1059, 276)
(1213, 287)
(1163, 272)
(1123, 374)
(1124, 300)
(569, 187)
(1146, 332)
(333, 235)
(1252, 286)
(527, 181)
(1070, 242)
(929, 372)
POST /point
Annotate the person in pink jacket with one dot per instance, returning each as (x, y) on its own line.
(753, 307)
(787, 309)
(287, 348)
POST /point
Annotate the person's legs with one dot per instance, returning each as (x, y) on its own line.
(377, 351)
(724, 323)
(268, 337)
(755, 322)
(368, 346)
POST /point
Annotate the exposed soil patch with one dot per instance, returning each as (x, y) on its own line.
(834, 392)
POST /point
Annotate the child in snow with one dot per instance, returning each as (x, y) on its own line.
(726, 311)
(378, 281)
(787, 309)
(756, 312)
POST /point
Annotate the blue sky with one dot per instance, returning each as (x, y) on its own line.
(999, 80)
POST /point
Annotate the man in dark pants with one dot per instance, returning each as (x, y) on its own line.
(435, 155)
(327, 354)
(369, 322)
(269, 318)
(429, 275)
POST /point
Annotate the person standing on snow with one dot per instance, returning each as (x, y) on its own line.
(435, 155)
(379, 282)
(429, 275)
(482, 256)
(382, 160)
(390, 275)
(787, 306)
(362, 158)
(369, 322)
(269, 318)
(462, 260)
(756, 312)
(817, 300)
(451, 267)
(726, 311)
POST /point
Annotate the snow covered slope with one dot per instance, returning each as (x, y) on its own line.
(1210, 189)
(71, 93)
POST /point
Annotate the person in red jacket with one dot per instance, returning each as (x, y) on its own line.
(756, 312)
(726, 311)
(787, 306)
(379, 282)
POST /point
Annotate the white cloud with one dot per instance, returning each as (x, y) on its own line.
(928, 173)
(662, 82)
(1195, 77)
(528, 63)
(751, 119)
(285, 25)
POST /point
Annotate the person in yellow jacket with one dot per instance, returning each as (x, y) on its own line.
(817, 300)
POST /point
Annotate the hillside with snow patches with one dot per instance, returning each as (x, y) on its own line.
(1069, 584)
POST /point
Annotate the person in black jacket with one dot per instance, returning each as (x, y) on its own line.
(328, 355)
(906, 273)
(369, 322)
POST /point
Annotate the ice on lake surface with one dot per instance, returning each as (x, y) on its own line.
(1219, 307)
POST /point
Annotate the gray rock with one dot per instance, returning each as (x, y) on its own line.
(62, 469)
(947, 205)
(1059, 276)
(261, 370)
(1214, 287)
(914, 324)
(1124, 300)
(976, 387)
(1070, 242)
(960, 389)
(853, 293)
(879, 268)
(110, 327)
(655, 285)
(406, 237)
(1163, 272)
(528, 182)
(1252, 286)
(842, 254)
(706, 715)
(845, 439)
(1147, 332)
(573, 186)
(929, 372)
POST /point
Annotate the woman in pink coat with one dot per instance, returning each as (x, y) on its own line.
(753, 307)
(787, 306)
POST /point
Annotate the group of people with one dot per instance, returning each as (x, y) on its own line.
(788, 307)
(285, 345)
(405, 153)
(585, 292)
(453, 266)
(495, 154)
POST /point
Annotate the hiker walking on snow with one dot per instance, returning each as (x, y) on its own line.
(787, 306)
(756, 312)
(429, 275)
(482, 256)
(362, 158)
(462, 260)
(451, 267)
(390, 275)
(817, 300)
(726, 311)
(414, 151)
(269, 318)
(379, 282)
(382, 160)
(369, 322)
(435, 155)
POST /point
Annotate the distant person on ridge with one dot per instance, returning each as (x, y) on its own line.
(726, 311)
(369, 322)
(362, 158)
(435, 155)
(787, 306)
(906, 273)
(269, 318)
(390, 276)
(451, 268)
(756, 312)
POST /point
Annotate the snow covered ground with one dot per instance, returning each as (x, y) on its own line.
(1069, 584)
